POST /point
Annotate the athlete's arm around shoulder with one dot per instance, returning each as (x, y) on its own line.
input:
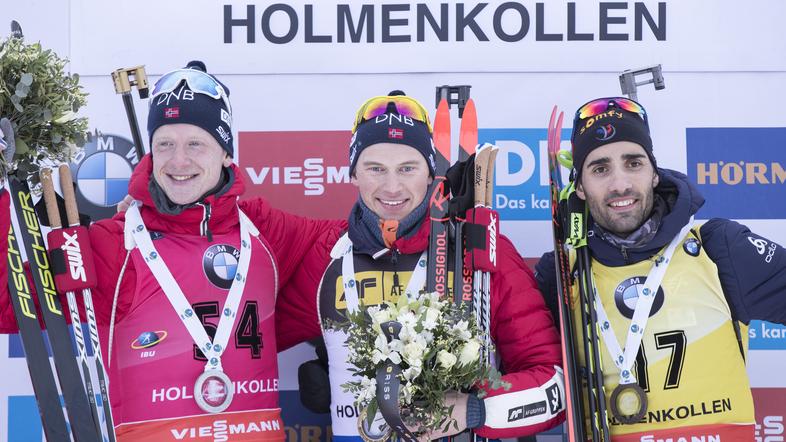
(528, 344)
(290, 236)
(751, 268)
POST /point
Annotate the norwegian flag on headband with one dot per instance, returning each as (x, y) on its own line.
(172, 112)
(394, 133)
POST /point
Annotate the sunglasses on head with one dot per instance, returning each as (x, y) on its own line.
(198, 81)
(405, 106)
(601, 105)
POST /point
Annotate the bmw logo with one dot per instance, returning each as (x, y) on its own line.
(102, 172)
(692, 247)
(626, 295)
(220, 265)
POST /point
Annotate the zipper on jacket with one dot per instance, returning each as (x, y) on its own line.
(204, 225)
(394, 260)
(624, 253)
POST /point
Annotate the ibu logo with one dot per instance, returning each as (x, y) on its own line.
(521, 172)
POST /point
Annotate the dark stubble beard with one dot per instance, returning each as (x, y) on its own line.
(622, 225)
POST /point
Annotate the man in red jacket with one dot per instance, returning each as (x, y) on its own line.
(188, 279)
(392, 164)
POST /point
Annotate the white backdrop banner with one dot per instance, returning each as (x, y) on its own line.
(328, 36)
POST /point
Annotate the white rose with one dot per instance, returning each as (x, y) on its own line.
(413, 352)
(379, 315)
(432, 316)
(446, 359)
(470, 352)
(460, 330)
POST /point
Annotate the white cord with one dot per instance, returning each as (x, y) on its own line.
(114, 309)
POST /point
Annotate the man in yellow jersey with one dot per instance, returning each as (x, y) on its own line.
(684, 373)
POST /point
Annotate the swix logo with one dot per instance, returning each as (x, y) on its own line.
(493, 239)
(312, 175)
(74, 255)
(770, 430)
(740, 173)
(222, 429)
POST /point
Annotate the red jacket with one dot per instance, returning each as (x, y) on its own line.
(521, 327)
(291, 238)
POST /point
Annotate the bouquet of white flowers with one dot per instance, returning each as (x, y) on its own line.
(437, 350)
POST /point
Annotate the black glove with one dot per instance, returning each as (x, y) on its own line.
(460, 181)
(314, 381)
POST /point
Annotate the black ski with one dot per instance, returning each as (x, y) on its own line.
(43, 380)
(31, 237)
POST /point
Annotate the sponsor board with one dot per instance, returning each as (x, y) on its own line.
(766, 336)
(770, 412)
(101, 173)
(299, 172)
(740, 171)
(300, 424)
(521, 174)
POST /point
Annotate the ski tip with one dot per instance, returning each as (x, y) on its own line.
(468, 133)
(442, 129)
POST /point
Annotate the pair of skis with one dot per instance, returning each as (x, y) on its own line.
(471, 288)
(569, 223)
(81, 407)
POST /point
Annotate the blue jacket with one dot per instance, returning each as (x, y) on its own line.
(751, 269)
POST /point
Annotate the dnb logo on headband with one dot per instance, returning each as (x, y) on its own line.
(219, 263)
(626, 295)
(102, 172)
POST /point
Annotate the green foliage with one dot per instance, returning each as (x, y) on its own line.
(42, 100)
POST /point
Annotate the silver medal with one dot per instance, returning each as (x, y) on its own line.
(213, 391)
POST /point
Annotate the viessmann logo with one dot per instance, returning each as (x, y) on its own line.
(740, 171)
(304, 172)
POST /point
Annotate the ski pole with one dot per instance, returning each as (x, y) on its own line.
(72, 214)
(54, 222)
(125, 80)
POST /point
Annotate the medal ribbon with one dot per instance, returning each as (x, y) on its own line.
(416, 282)
(646, 297)
(211, 349)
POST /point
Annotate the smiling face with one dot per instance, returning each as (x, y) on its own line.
(618, 182)
(187, 161)
(392, 179)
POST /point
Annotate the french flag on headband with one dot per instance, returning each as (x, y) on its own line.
(172, 112)
(394, 133)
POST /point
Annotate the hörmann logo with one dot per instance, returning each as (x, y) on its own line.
(739, 171)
